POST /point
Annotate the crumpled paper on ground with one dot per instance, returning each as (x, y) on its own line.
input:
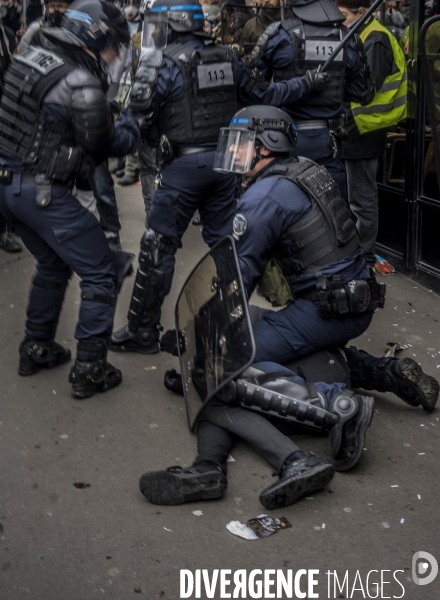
(261, 526)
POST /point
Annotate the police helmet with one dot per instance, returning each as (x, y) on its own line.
(317, 11)
(97, 25)
(249, 129)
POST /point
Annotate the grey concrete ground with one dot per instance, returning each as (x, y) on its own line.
(61, 543)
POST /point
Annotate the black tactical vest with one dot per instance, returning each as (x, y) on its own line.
(324, 235)
(25, 129)
(208, 101)
(314, 44)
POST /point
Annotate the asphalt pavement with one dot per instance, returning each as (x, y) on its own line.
(105, 540)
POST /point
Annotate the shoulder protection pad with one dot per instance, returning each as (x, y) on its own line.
(40, 59)
(80, 78)
(261, 45)
(145, 80)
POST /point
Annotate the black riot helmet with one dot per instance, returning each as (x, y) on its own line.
(165, 16)
(94, 25)
(249, 129)
(317, 11)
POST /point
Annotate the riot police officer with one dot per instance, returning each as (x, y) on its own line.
(53, 128)
(186, 92)
(297, 238)
(289, 49)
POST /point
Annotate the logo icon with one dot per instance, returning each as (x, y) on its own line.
(424, 568)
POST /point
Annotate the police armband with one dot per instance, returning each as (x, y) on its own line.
(145, 81)
(92, 118)
(261, 45)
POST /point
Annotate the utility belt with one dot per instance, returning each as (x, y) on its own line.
(336, 298)
(167, 152)
(43, 185)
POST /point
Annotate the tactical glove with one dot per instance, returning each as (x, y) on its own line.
(318, 80)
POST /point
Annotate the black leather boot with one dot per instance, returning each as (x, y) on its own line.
(41, 354)
(177, 485)
(297, 479)
(144, 341)
(93, 376)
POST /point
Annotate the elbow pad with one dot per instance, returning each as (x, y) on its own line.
(145, 81)
(92, 119)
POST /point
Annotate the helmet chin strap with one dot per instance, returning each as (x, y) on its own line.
(258, 156)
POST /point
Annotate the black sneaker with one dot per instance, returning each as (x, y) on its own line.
(8, 243)
(37, 354)
(405, 378)
(296, 480)
(144, 341)
(177, 485)
(353, 435)
(93, 377)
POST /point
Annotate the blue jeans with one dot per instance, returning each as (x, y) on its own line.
(103, 188)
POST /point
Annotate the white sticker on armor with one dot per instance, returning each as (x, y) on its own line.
(215, 75)
(321, 50)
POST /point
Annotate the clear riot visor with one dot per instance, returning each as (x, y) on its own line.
(155, 30)
(235, 151)
(116, 55)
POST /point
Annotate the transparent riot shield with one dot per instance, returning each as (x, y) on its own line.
(212, 321)
(430, 53)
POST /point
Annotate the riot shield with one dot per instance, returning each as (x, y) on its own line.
(213, 324)
(430, 52)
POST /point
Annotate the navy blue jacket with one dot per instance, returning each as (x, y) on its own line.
(280, 51)
(170, 85)
(270, 207)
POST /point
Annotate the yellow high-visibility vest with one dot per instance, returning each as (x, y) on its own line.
(388, 106)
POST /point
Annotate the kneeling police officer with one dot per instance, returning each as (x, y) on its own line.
(55, 124)
(295, 237)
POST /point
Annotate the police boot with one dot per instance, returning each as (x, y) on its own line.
(144, 341)
(177, 485)
(298, 478)
(405, 378)
(347, 437)
(93, 376)
(40, 354)
(402, 376)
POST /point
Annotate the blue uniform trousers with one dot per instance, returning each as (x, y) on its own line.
(64, 237)
(314, 144)
(299, 330)
(187, 184)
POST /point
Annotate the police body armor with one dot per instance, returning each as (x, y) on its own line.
(324, 235)
(44, 145)
(208, 101)
(314, 45)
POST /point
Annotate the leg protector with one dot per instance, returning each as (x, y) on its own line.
(148, 292)
(273, 394)
(345, 407)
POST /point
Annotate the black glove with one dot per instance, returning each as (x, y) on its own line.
(173, 381)
(318, 80)
(168, 342)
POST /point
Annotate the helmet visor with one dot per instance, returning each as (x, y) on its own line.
(235, 151)
(155, 30)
